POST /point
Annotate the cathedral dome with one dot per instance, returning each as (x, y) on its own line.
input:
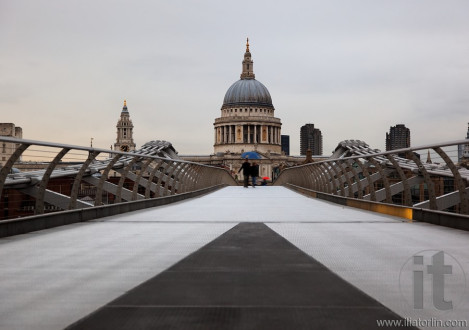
(247, 92)
(247, 119)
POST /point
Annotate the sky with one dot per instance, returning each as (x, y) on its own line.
(353, 68)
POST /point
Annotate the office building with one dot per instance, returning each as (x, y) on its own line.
(398, 137)
(285, 141)
(310, 138)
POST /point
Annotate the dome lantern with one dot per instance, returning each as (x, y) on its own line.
(248, 64)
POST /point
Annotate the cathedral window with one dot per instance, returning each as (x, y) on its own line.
(4, 148)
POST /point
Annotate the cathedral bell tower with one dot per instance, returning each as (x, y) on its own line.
(124, 141)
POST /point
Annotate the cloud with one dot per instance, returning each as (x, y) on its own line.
(351, 68)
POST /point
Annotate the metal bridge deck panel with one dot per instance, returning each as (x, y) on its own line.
(371, 256)
(52, 278)
(260, 204)
(248, 278)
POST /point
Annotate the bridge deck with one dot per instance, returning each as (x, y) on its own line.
(311, 263)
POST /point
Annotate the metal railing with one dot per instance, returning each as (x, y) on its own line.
(38, 177)
(401, 177)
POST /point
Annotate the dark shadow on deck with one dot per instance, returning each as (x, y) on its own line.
(248, 278)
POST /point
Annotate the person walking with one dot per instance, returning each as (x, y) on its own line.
(254, 173)
(246, 167)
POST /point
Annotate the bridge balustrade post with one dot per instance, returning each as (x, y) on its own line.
(213, 176)
(384, 178)
(6, 169)
(77, 181)
(201, 178)
(407, 193)
(139, 177)
(194, 177)
(298, 177)
(427, 179)
(150, 180)
(334, 167)
(322, 184)
(350, 164)
(219, 176)
(124, 174)
(161, 176)
(185, 178)
(303, 177)
(210, 177)
(280, 179)
(177, 179)
(365, 170)
(464, 205)
(310, 176)
(307, 177)
(171, 180)
(104, 176)
(344, 166)
(39, 205)
(340, 176)
(331, 185)
(289, 175)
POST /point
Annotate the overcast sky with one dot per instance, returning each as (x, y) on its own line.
(352, 68)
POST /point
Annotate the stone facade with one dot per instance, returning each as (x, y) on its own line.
(7, 148)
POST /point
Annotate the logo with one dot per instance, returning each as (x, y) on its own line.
(432, 279)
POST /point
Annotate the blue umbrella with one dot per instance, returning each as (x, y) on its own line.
(251, 155)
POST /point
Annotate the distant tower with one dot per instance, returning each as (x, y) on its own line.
(124, 141)
(285, 141)
(463, 149)
(310, 138)
(429, 159)
(398, 137)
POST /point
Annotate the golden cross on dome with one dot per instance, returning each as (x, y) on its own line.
(247, 44)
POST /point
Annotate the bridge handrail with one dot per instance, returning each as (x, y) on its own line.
(391, 177)
(152, 171)
(89, 149)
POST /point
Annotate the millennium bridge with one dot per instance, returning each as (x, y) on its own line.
(100, 239)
